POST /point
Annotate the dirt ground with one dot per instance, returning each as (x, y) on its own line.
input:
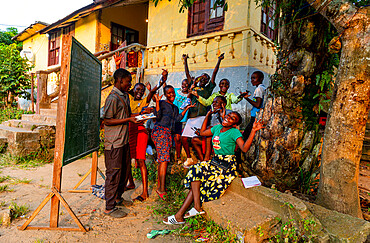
(86, 206)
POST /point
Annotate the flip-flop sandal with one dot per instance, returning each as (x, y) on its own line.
(116, 213)
(171, 220)
(193, 212)
(139, 198)
(124, 203)
(161, 195)
(154, 233)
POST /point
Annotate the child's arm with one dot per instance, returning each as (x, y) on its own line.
(114, 122)
(257, 125)
(154, 90)
(220, 58)
(203, 130)
(205, 102)
(187, 73)
(256, 103)
(235, 99)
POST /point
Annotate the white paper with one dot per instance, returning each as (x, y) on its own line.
(192, 122)
(145, 117)
(251, 182)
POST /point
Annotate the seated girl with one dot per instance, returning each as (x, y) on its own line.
(208, 180)
(215, 118)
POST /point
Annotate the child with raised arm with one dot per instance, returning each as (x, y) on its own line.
(204, 87)
(224, 85)
(138, 135)
(167, 115)
(209, 180)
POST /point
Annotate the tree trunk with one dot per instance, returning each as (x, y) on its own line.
(285, 152)
(345, 130)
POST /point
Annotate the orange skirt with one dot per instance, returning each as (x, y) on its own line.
(138, 139)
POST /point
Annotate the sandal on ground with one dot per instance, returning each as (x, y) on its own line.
(193, 212)
(171, 220)
(139, 198)
(161, 195)
(124, 203)
(116, 213)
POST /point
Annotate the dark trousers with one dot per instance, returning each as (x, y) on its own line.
(117, 164)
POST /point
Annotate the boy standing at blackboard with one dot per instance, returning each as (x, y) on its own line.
(117, 154)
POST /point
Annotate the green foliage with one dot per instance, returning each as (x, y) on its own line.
(7, 35)
(41, 157)
(8, 113)
(18, 210)
(5, 188)
(14, 79)
(295, 231)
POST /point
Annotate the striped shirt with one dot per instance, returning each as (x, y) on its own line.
(116, 136)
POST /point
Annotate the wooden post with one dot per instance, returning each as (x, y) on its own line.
(94, 167)
(32, 101)
(60, 129)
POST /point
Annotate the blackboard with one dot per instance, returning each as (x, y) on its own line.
(83, 104)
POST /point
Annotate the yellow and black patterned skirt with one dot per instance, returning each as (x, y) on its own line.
(213, 180)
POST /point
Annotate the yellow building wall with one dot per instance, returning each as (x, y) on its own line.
(240, 39)
(86, 30)
(166, 23)
(38, 44)
(131, 16)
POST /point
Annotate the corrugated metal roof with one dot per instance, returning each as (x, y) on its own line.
(85, 11)
(30, 31)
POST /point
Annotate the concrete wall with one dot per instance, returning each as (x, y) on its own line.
(38, 44)
(85, 31)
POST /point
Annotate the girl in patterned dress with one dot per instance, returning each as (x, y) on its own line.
(208, 180)
(167, 115)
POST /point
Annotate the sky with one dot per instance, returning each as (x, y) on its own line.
(23, 13)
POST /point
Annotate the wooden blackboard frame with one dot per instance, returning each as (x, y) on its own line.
(83, 104)
(55, 195)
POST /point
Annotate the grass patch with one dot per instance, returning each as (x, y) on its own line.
(20, 181)
(5, 188)
(8, 113)
(32, 160)
(4, 178)
(2, 204)
(18, 210)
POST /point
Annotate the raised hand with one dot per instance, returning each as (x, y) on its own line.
(221, 57)
(157, 98)
(148, 86)
(257, 125)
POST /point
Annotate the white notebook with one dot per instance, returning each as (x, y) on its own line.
(251, 181)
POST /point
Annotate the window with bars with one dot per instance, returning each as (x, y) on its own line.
(268, 23)
(54, 48)
(69, 30)
(120, 33)
(204, 18)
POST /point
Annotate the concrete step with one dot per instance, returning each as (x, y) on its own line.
(39, 118)
(54, 105)
(341, 227)
(21, 142)
(48, 112)
(248, 220)
(28, 125)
